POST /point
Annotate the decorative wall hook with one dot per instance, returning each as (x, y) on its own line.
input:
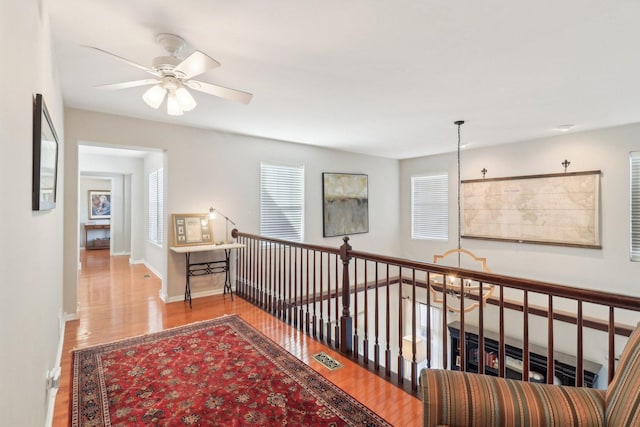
(484, 172)
(566, 164)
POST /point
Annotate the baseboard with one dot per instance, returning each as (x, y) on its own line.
(120, 253)
(135, 261)
(153, 270)
(53, 376)
(194, 295)
(70, 316)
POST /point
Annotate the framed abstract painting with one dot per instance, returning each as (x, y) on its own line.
(345, 204)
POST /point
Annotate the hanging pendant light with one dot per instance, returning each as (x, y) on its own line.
(459, 123)
(459, 289)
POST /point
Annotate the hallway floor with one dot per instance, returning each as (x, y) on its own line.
(119, 300)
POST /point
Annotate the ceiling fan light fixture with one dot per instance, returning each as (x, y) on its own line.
(154, 96)
(173, 106)
(185, 99)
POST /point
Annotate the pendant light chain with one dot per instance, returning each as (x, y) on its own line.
(459, 123)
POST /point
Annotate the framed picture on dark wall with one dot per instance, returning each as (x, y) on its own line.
(45, 158)
(99, 204)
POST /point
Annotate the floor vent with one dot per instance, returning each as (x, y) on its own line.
(147, 276)
(328, 361)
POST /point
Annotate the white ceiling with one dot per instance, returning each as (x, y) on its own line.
(371, 76)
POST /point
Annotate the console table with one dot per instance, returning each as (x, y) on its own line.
(207, 267)
(96, 243)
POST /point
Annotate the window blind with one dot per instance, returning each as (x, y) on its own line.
(156, 202)
(635, 206)
(282, 201)
(430, 207)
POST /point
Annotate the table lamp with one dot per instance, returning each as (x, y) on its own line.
(212, 215)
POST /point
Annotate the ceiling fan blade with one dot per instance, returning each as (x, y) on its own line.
(221, 91)
(195, 64)
(126, 61)
(126, 85)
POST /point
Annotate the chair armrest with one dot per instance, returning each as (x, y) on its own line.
(456, 398)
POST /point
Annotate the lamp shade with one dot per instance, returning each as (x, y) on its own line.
(186, 101)
(407, 349)
(154, 96)
(173, 106)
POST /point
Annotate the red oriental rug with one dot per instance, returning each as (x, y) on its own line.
(221, 372)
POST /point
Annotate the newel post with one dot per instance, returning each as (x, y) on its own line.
(346, 322)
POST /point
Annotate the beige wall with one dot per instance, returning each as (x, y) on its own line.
(208, 168)
(31, 242)
(608, 269)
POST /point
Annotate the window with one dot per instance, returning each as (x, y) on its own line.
(156, 213)
(435, 322)
(282, 201)
(430, 207)
(635, 206)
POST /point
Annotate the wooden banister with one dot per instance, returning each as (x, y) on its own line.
(313, 288)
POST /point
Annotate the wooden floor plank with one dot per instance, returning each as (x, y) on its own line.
(119, 300)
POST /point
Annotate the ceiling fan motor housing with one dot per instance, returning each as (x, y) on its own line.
(165, 64)
(172, 43)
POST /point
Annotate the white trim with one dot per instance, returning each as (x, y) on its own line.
(54, 374)
(70, 316)
(120, 253)
(51, 404)
(135, 261)
(151, 269)
(201, 294)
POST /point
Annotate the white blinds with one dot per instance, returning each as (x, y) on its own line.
(635, 206)
(430, 207)
(282, 201)
(156, 202)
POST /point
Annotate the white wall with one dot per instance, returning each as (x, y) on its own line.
(207, 168)
(86, 184)
(31, 248)
(607, 269)
(127, 200)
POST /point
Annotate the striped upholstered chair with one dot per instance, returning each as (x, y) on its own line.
(455, 398)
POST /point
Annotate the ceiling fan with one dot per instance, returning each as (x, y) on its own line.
(173, 76)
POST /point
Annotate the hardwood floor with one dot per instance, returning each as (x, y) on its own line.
(119, 300)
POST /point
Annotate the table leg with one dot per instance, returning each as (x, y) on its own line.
(187, 286)
(227, 273)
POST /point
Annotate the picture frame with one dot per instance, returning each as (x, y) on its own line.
(345, 204)
(99, 204)
(45, 158)
(191, 229)
(561, 209)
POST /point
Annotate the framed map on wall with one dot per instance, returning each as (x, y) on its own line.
(556, 209)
